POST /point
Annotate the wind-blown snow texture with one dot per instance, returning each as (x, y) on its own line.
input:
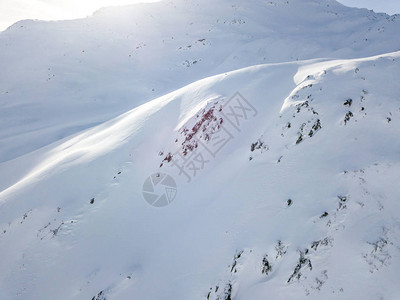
(287, 114)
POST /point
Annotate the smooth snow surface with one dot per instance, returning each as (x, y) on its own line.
(278, 121)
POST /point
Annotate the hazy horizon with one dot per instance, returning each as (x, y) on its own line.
(12, 11)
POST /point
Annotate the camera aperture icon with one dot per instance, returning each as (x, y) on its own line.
(159, 190)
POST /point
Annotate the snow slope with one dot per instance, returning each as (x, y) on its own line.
(289, 190)
(68, 76)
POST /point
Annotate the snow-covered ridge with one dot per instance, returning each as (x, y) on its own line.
(59, 72)
(105, 137)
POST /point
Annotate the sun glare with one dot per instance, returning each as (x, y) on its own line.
(12, 11)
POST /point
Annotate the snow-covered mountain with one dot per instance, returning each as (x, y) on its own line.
(201, 150)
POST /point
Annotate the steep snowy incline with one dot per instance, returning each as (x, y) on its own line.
(286, 189)
(58, 78)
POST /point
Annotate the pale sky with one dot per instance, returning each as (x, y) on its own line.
(12, 11)
(390, 7)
